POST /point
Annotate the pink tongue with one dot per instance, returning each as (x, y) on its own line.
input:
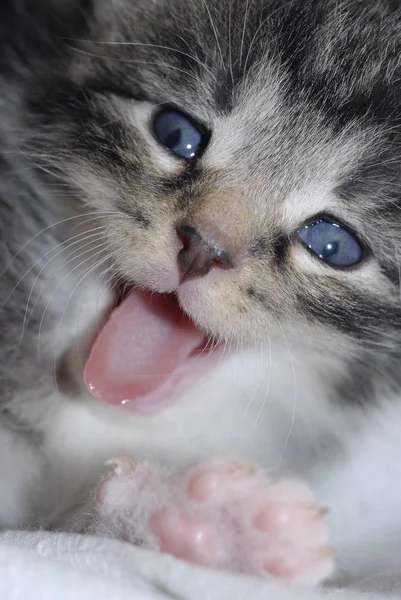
(144, 341)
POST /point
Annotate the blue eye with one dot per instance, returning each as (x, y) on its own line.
(332, 243)
(179, 134)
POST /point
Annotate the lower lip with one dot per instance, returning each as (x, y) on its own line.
(187, 376)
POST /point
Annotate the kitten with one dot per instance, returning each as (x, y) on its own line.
(242, 157)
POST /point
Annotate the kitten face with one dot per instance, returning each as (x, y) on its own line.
(299, 117)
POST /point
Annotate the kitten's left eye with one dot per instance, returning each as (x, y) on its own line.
(332, 243)
(179, 133)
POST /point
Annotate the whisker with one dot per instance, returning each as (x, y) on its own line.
(230, 57)
(138, 62)
(35, 264)
(203, 354)
(208, 375)
(94, 235)
(243, 32)
(108, 269)
(146, 45)
(256, 388)
(215, 32)
(46, 229)
(82, 278)
(40, 167)
(295, 394)
(268, 386)
(90, 250)
(254, 38)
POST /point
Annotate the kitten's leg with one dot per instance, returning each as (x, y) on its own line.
(226, 515)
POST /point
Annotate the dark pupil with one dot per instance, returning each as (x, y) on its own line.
(330, 249)
(173, 138)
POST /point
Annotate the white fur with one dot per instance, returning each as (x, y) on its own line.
(273, 416)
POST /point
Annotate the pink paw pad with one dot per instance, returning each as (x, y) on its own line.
(230, 516)
(217, 483)
(193, 540)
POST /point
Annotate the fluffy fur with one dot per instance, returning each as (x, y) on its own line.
(302, 101)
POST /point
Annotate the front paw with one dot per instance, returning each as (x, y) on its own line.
(223, 514)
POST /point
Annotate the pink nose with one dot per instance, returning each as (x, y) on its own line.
(199, 254)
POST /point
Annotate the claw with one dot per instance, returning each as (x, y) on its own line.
(121, 465)
(327, 552)
(319, 513)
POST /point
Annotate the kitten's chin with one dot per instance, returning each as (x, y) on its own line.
(148, 353)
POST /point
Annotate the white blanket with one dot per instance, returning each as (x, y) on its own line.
(45, 566)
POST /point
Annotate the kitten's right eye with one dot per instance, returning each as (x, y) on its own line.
(332, 243)
(180, 134)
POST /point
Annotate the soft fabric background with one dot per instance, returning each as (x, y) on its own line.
(46, 566)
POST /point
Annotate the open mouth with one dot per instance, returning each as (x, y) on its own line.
(147, 353)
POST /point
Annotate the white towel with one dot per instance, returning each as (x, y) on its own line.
(54, 566)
